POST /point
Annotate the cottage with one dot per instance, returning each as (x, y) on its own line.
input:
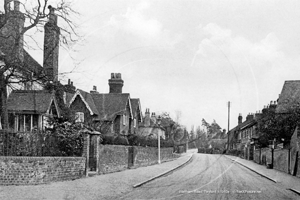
(113, 113)
(30, 109)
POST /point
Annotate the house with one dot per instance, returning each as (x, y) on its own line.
(150, 127)
(29, 103)
(111, 113)
(30, 109)
(243, 136)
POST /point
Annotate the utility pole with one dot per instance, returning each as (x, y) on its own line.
(228, 125)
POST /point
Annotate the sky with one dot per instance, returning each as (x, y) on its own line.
(187, 56)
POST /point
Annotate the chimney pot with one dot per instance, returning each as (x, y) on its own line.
(95, 88)
(72, 83)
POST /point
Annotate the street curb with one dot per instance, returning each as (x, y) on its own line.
(164, 173)
(294, 190)
(253, 170)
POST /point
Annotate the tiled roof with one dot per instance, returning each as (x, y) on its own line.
(31, 63)
(89, 100)
(110, 105)
(29, 100)
(289, 97)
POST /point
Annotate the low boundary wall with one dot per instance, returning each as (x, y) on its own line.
(113, 158)
(39, 170)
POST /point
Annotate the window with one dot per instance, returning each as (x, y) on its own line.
(24, 122)
(134, 123)
(79, 117)
(124, 119)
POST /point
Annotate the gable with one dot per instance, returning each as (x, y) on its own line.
(87, 99)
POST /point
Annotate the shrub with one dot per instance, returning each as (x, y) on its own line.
(107, 139)
(120, 140)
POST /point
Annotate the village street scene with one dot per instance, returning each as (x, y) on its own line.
(141, 99)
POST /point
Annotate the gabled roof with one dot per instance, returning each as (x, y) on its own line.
(289, 97)
(87, 99)
(136, 105)
(111, 105)
(36, 101)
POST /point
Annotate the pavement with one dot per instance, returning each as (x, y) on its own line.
(286, 180)
(107, 186)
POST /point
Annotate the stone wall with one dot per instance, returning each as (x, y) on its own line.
(39, 170)
(113, 158)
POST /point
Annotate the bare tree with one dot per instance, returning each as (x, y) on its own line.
(15, 21)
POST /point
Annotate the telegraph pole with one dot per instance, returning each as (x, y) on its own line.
(228, 125)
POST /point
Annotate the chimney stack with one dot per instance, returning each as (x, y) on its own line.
(11, 41)
(115, 83)
(147, 118)
(240, 119)
(51, 46)
(153, 117)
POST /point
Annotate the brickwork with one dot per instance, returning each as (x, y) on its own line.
(281, 157)
(114, 158)
(145, 156)
(39, 170)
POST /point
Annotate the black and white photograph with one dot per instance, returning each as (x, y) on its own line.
(149, 99)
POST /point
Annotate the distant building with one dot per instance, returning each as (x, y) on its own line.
(149, 127)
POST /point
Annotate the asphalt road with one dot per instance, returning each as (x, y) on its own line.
(211, 177)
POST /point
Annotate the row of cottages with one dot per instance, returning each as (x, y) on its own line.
(243, 137)
(114, 113)
(29, 104)
(111, 113)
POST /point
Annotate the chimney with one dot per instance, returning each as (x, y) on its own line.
(12, 40)
(94, 91)
(240, 119)
(153, 117)
(115, 83)
(147, 118)
(249, 117)
(51, 46)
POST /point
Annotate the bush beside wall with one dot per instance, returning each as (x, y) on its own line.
(39, 170)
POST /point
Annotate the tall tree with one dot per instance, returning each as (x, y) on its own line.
(16, 20)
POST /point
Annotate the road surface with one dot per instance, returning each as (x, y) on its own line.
(211, 177)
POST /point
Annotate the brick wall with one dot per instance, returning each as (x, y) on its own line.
(114, 158)
(39, 170)
(281, 157)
